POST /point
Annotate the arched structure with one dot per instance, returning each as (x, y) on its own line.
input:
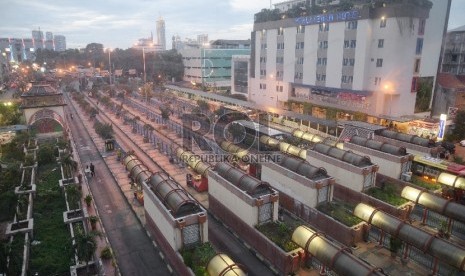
(413, 139)
(377, 145)
(343, 155)
(246, 183)
(43, 108)
(303, 168)
(338, 259)
(452, 180)
(222, 265)
(173, 196)
(428, 243)
(437, 204)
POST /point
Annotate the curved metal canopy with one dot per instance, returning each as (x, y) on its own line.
(302, 167)
(234, 149)
(338, 259)
(222, 265)
(451, 180)
(307, 136)
(437, 204)
(377, 145)
(437, 247)
(243, 181)
(413, 139)
(343, 155)
(175, 198)
(192, 160)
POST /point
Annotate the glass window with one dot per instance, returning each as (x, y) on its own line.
(300, 29)
(280, 31)
(417, 65)
(421, 27)
(353, 43)
(380, 43)
(352, 25)
(419, 48)
(324, 27)
(379, 62)
(346, 44)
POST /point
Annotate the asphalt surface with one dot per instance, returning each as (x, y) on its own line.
(134, 251)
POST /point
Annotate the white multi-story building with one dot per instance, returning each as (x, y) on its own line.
(368, 59)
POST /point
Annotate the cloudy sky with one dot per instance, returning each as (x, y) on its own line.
(120, 23)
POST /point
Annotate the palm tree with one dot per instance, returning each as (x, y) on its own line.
(69, 165)
(73, 195)
(85, 246)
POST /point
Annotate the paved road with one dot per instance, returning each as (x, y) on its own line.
(134, 250)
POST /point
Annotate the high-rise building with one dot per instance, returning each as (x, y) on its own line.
(453, 59)
(48, 36)
(60, 43)
(367, 59)
(38, 39)
(161, 39)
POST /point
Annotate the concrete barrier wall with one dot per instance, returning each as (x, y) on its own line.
(336, 230)
(170, 256)
(352, 197)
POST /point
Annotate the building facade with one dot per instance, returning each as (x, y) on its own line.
(453, 60)
(368, 59)
(38, 39)
(210, 66)
(60, 43)
(161, 38)
(240, 67)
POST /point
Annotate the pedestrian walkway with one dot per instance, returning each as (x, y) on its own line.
(134, 250)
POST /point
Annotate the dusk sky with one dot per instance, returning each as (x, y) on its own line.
(120, 23)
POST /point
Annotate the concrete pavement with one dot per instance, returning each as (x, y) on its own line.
(134, 250)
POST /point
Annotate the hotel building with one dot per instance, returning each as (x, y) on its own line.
(366, 61)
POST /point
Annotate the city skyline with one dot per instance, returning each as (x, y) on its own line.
(121, 23)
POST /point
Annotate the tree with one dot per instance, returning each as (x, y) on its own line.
(424, 93)
(458, 132)
(146, 91)
(73, 195)
(165, 112)
(203, 105)
(85, 246)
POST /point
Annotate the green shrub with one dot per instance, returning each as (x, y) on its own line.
(106, 253)
(46, 154)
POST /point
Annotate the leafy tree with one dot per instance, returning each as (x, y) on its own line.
(165, 112)
(203, 105)
(85, 246)
(424, 93)
(458, 132)
(46, 154)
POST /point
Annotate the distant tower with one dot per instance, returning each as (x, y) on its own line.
(48, 36)
(60, 43)
(161, 39)
(38, 39)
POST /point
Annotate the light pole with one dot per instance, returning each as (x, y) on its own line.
(109, 62)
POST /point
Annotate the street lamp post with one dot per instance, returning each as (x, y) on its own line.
(109, 62)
